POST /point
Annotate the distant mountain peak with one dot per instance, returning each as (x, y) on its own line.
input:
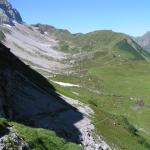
(144, 41)
(8, 14)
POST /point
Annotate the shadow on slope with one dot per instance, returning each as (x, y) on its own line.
(27, 97)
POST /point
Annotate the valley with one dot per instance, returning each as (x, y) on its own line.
(65, 91)
(112, 79)
(118, 100)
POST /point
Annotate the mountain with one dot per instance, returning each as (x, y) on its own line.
(144, 41)
(54, 51)
(104, 41)
(8, 14)
(93, 68)
(35, 49)
(28, 98)
(60, 90)
(30, 102)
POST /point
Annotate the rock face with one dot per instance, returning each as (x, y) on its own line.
(27, 97)
(8, 14)
(144, 41)
(35, 49)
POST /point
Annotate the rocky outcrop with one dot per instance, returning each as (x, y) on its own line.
(44, 28)
(8, 14)
(13, 141)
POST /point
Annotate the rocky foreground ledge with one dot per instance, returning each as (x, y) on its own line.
(13, 141)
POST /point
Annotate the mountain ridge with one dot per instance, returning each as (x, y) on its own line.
(100, 40)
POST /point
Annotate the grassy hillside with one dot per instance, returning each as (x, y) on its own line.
(115, 83)
(118, 91)
(109, 42)
(104, 41)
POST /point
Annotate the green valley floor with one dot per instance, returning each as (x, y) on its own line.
(118, 92)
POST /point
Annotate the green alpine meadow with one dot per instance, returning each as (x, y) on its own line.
(82, 84)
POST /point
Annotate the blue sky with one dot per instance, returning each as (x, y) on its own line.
(128, 16)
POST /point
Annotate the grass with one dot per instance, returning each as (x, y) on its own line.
(37, 138)
(105, 41)
(114, 89)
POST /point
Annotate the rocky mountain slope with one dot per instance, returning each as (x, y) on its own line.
(28, 98)
(55, 51)
(8, 14)
(35, 49)
(144, 41)
(18, 102)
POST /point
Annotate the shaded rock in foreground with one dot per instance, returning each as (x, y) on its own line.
(28, 98)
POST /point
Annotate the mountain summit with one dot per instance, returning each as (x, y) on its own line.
(8, 14)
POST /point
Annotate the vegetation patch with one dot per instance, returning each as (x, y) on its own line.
(38, 139)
